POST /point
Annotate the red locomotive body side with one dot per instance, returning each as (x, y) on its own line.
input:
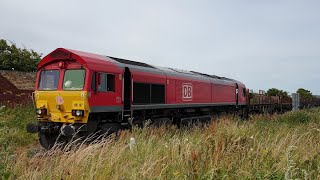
(191, 91)
(224, 93)
(171, 90)
(201, 89)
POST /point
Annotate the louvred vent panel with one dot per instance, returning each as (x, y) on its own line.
(59, 54)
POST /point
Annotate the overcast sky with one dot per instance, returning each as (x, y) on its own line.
(263, 43)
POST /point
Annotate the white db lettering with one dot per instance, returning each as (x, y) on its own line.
(187, 92)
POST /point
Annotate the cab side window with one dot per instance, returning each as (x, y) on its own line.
(107, 82)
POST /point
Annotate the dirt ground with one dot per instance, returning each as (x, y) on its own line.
(16, 88)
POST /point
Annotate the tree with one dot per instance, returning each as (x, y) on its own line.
(305, 94)
(14, 58)
(277, 92)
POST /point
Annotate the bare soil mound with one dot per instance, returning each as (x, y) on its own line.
(21, 80)
(10, 95)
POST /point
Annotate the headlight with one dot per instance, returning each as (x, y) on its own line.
(77, 113)
(41, 112)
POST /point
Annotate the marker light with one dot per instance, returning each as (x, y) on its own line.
(61, 65)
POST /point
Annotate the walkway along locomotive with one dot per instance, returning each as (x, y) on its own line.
(87, 93)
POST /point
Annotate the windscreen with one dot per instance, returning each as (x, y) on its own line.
(74, 79)
(49, 80)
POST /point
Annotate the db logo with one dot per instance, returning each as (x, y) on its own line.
(187, 92)
(59, 100)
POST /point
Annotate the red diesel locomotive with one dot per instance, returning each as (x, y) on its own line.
(87, 93)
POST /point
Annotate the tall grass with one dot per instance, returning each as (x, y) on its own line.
(265, 147)
(13, 136)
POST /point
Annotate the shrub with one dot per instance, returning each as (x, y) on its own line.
(14, 58)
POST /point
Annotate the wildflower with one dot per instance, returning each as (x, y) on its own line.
(251, 137)
(132, 143)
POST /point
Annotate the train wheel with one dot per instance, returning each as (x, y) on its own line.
(46, 140)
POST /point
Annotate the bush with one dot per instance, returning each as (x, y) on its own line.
(14, 58)
(299, 117)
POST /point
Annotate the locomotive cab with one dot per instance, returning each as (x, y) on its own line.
(65, 83)
(61, 95)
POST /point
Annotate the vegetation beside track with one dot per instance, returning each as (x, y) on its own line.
(265, 147)
(13, 135)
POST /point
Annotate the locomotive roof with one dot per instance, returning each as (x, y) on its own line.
(167, 69)
(93, 61)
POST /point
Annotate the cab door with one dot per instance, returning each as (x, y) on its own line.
(127, 83)
(105, 93)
